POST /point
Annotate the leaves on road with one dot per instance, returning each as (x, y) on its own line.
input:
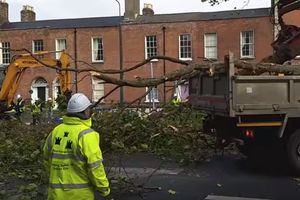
(172, 192)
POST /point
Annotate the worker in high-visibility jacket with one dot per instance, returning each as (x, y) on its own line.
(73, 157)
(176, 100)
(19, 106)
(36, 109)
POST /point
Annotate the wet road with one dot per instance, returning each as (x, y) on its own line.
(228, 177)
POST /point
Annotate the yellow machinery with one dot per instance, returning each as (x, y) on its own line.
(20, 63)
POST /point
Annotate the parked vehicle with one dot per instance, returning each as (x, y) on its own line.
(250, 109)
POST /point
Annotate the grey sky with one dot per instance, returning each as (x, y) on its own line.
(59, 9)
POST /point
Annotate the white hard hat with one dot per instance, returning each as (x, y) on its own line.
(49, 98)
(78, 103)
(18, 96)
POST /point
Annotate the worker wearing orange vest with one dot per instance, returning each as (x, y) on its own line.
(73, 157)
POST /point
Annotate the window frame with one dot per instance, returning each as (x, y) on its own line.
(149, 97)
(187, 46)
(58, 48)
(96, 81)
(5, 56)
(148, 48)
(37, 45)
(101, 49)
(251, 45)
(206, 46)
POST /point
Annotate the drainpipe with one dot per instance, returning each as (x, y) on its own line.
(164, 61)
(121, 65)
(75, 56)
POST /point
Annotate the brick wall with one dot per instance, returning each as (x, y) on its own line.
(228, 32)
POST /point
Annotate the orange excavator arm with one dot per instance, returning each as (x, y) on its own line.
(20, 63)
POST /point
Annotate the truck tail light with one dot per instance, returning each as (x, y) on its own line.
(249, 133)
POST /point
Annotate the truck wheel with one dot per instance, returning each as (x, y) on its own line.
(293, 151)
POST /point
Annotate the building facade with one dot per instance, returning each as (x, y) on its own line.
(94, 43)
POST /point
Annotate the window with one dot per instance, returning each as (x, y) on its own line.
(210, 46)
(60, 44)
(5, 53)
(150, 46)
(37, 45)
(247, 44)
(98, 88)
(97, 50)
(152, 96)
(185, 47)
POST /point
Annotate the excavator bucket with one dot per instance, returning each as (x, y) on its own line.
(287, 45)
(285, 6)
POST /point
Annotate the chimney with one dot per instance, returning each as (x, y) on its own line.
(148, 9)
(132, 9)
(27, 14)
(3, 11)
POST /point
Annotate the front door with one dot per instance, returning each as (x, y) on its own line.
(40, 90)
(41, 94)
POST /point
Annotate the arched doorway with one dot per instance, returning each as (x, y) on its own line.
(39, 89)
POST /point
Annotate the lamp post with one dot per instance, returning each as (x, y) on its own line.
(121, 55)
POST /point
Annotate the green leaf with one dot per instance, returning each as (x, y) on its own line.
(172, 192)
(31, 187)
(144, 146)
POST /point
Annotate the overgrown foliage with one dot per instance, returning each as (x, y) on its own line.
(21, 169)
(173, 133)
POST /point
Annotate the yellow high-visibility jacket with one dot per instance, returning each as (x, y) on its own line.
(73, 159)
(176, 101)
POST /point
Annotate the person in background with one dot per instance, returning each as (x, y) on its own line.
(49, 105)
(19, 106)
(72, 155)
(175, 100)
(36, 110)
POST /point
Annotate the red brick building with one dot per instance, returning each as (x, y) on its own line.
(94, 42)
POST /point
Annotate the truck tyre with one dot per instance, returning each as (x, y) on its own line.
(293, 151)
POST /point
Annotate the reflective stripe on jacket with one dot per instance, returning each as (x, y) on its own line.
(74, 160)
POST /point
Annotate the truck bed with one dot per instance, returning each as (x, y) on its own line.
(233, 95)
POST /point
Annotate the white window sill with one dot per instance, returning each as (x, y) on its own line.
(214, 59)
(97, 61)
(186, 59)
(153, 60)
(247, 57)
(150, 101)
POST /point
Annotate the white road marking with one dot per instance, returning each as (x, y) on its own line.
(213, 197)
